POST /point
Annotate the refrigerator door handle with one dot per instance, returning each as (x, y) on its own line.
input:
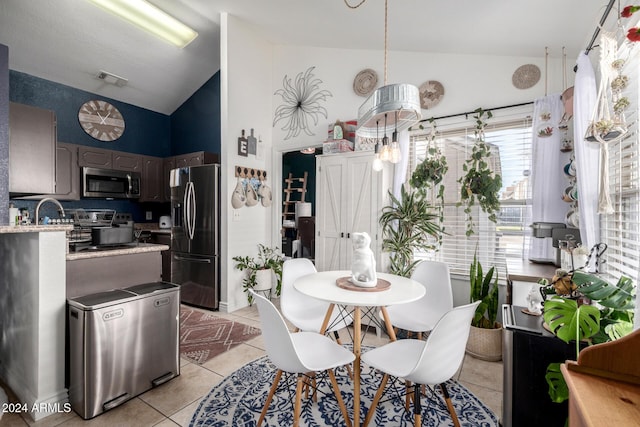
(192, 210)
(185, 208)
(201, 260)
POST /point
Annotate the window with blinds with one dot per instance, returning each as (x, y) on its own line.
(509, 134)
(621, 229)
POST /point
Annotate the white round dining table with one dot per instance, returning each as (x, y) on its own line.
(323, 286)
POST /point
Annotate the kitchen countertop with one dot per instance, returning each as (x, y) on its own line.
(137, 249)
(526, 271)
(34, 228)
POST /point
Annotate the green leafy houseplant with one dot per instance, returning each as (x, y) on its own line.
(408, 224)
(480, 184)
(268, 258)
(484, 288)
(430, 173)
(590, 324)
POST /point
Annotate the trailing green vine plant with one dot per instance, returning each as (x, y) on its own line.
(480, 184)
(430, 173)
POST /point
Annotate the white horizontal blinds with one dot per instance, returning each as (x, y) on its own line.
(621, 230)
(509, 134)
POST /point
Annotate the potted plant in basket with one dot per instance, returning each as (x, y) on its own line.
(480, 184)
(485, 337)
(429, 174)
(260, 270)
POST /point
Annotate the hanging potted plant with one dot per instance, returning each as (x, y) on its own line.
(408, 225)
(480, 184)
(261, 270)
(429, 174)
(485, 336)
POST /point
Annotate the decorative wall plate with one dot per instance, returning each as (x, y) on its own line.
(431, 92)
(365, 82)
(526, 76)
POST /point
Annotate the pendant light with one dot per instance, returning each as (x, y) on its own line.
(401, 99)
(377, 162)
(385, 155)
(395, 145)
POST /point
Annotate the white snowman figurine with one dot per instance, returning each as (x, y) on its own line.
(363, 262)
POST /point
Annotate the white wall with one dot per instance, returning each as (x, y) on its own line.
(246, 98)
(252, 70)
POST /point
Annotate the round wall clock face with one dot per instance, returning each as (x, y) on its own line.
(101, 120)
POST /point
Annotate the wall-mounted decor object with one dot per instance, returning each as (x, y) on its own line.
(302, 100)
(243, 145)
(431, 93)
(526, 76)
(365, 82)
(250, 188)
(252, 143)
(101, 120)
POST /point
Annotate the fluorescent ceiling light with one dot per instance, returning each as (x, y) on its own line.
(148, 17)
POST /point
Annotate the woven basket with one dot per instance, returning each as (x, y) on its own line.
(485, 344)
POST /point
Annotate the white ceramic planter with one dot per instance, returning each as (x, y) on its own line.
(264, 280)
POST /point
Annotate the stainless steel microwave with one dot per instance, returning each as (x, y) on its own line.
(110, 184)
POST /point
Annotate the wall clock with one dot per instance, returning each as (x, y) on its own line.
(101, 120)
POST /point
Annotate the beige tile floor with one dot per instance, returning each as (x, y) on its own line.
(173, 403)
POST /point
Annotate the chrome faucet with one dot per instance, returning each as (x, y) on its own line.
(52, 200)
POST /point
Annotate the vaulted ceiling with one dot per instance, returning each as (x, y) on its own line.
(70, 41)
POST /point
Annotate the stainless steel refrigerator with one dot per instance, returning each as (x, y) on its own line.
(195, 234)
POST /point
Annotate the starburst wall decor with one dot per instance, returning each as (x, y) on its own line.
(301, 102)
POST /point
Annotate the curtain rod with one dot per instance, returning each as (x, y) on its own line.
(473, 112)
(605, 15)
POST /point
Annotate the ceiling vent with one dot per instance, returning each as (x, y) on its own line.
(111, 78)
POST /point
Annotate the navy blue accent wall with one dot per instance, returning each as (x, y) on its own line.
(297, 164)
(146, 132)
(195, 125)
(4, 134)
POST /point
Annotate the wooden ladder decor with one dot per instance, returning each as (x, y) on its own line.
(288, 209)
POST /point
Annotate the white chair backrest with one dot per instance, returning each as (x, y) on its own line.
(435, 277)
(277, 338)
(292, 301)
(445, 346)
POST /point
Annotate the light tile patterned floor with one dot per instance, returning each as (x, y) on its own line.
(173, 403)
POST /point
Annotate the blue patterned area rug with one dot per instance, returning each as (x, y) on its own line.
(239, 398)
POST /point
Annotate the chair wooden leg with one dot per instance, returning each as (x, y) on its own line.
(407, 394)
(417, 407)
(452, 410)
(376, 399)
(336, 335)
(272, 391)
(336, 392)
(298, 403)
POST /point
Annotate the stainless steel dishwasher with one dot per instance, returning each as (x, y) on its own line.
(122, 343)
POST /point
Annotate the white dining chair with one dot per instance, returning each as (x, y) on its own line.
(430, 363)
(301, 353)
(422, 315)
(306, 313)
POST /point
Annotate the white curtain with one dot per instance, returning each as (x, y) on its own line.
(548, 179)
(587, 154)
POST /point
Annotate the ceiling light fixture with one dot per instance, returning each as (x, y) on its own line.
(111, 78)
(148, 17)
(308, 150)
(401, 99)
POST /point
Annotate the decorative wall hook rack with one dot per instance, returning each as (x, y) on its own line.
(245, 172)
